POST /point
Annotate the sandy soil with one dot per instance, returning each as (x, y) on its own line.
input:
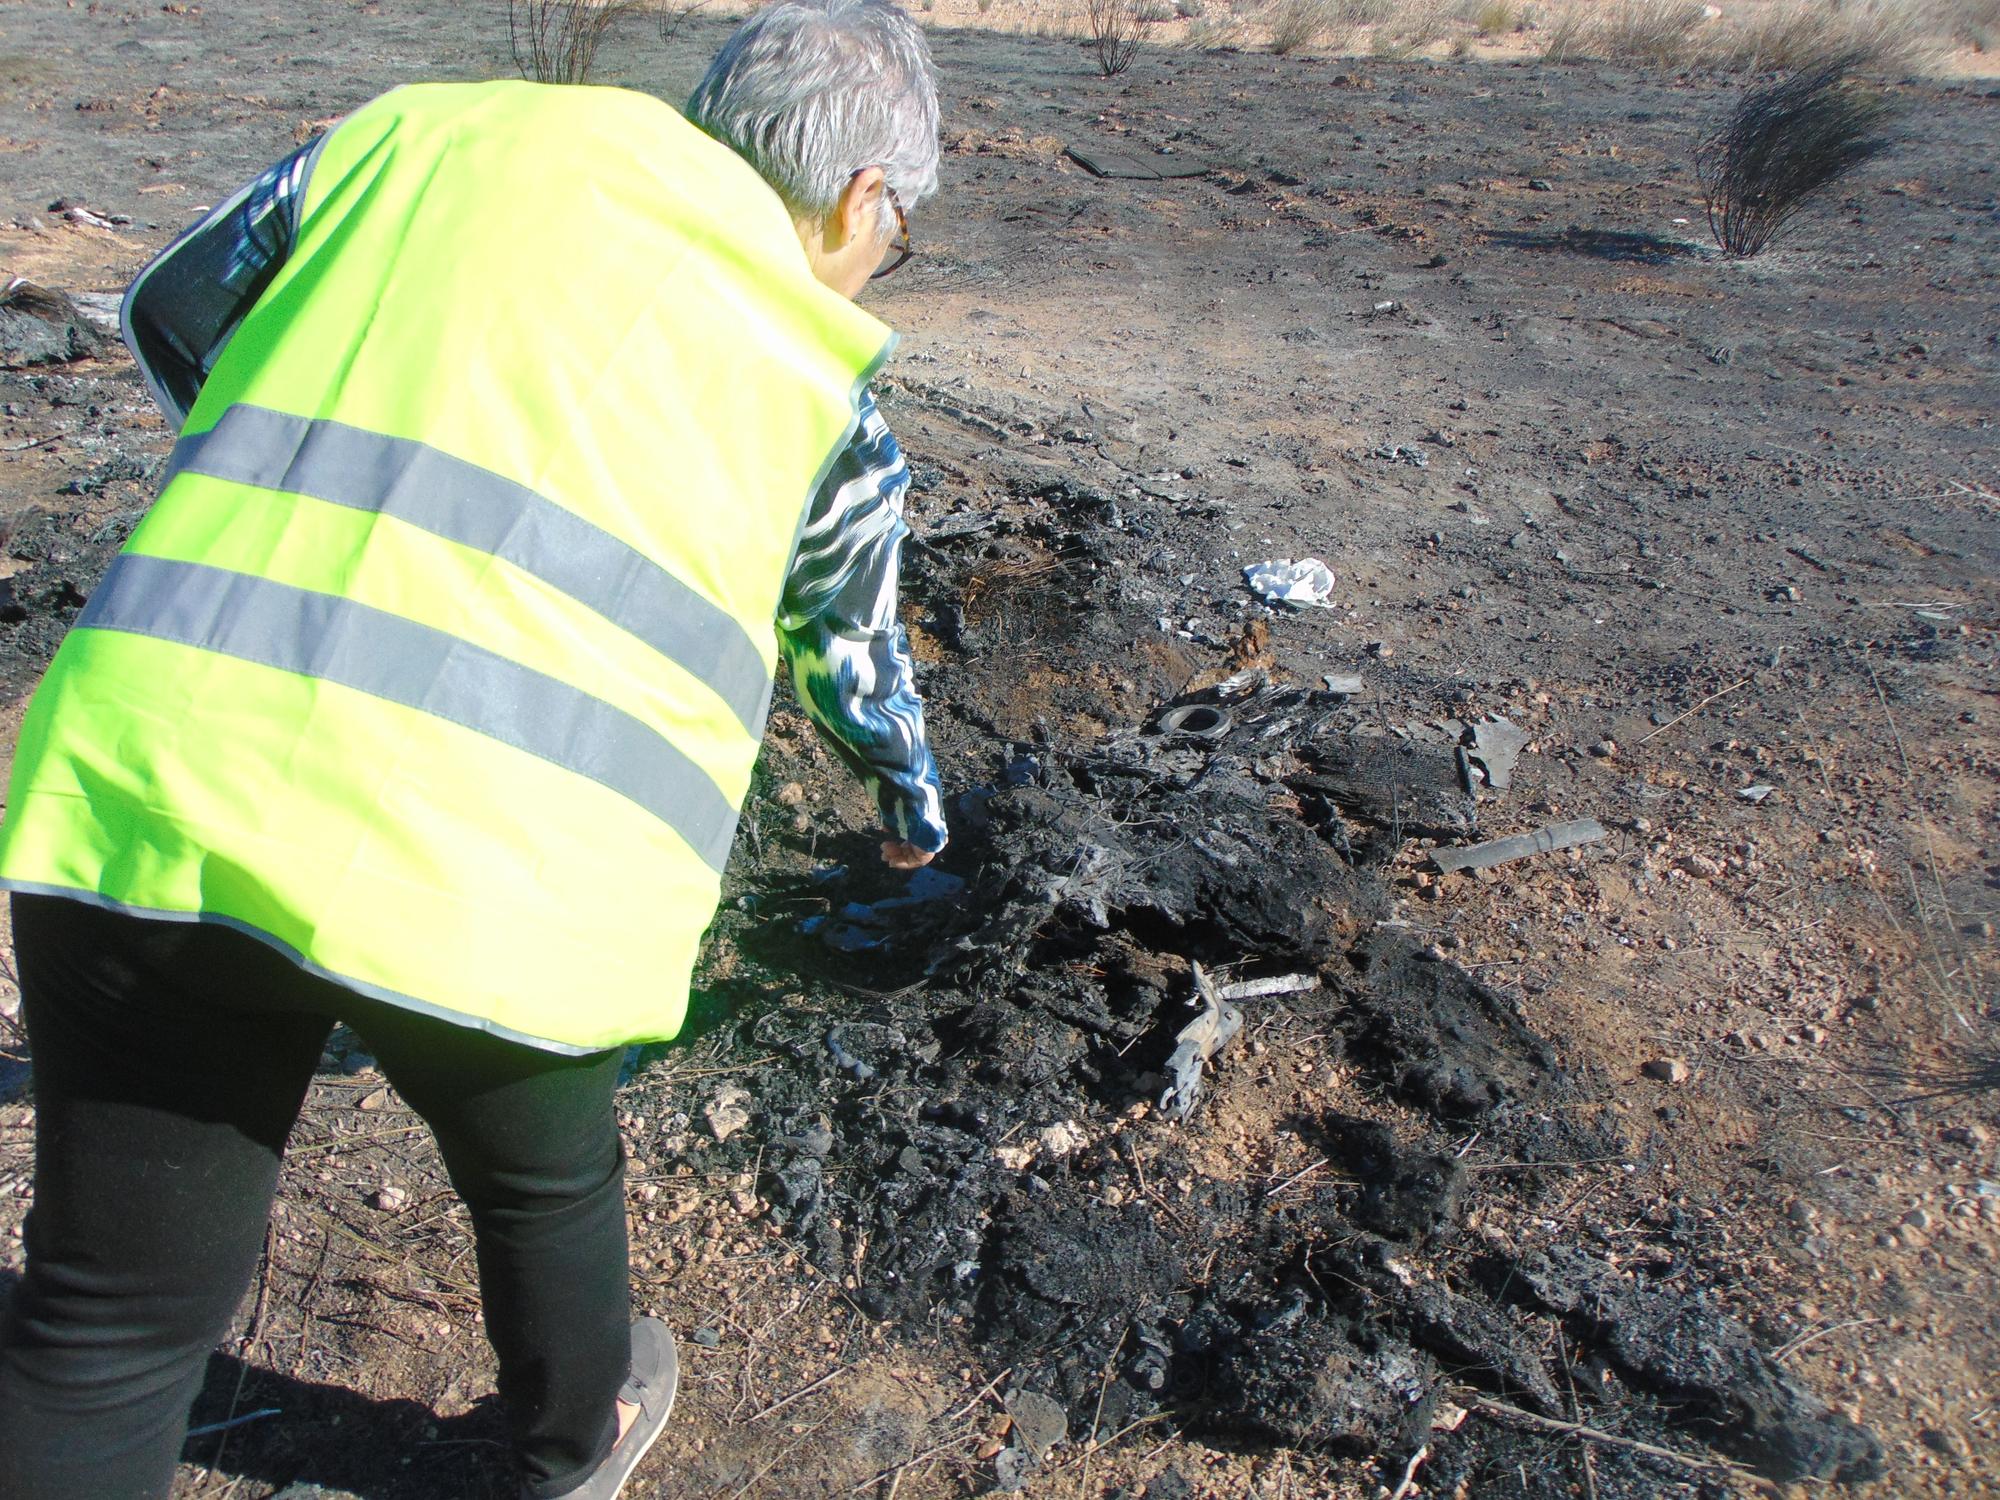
(1698, 525)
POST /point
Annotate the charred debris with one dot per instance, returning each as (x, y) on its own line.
(982, 1105)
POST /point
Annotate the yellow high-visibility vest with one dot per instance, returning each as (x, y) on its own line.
(442, 660)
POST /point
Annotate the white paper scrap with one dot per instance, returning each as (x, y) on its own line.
(1307, 581)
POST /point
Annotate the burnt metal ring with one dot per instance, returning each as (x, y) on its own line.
(1198, 721)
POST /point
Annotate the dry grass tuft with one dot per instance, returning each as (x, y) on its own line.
(1301, 23)
(1681, 35)
(1492, 17)
(1410, 34)
(1875, 35)
(1566, 37)
(1869, 34)
(1969, 23)
(1653, 31)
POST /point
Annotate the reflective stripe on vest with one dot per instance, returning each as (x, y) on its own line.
(373, 652)
(480, 509)
(441, 661)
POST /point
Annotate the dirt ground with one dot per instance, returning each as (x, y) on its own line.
(1699, 526)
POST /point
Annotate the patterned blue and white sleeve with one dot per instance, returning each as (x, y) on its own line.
(181, 310)
(837, 627)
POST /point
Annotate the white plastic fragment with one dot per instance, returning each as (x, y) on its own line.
(1283, 581)
(1755, 793)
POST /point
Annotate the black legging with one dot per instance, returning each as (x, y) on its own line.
(170, 1060)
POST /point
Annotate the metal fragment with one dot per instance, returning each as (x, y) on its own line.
(1519, 846)
(1199, 1041)
(1277, 984)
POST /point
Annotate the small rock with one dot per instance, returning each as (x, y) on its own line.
(708, 1338)
(1918, 1218)
(1540, 185)
(1666, 1069)
(791, 794)
(1063, 1137)
(1968, 1135)
(390, 1200)
(40, 326)
(1039, 1423)
(726, 1113)
(1950, 1444)
(373, 1099)
(1604, 749)
(1011, 1468)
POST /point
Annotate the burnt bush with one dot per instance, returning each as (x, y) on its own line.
(556, 41)
(1783, 145)
(1114, 34)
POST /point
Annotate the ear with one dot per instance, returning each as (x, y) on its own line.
(857, 215)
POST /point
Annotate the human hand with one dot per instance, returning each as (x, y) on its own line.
(900, 855)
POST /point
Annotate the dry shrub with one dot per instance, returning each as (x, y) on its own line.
(674, 14)
(1300, 23)
(1114, 34)
(556, 41)
(1783, 145)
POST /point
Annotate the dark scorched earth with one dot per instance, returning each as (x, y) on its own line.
(959, 1121)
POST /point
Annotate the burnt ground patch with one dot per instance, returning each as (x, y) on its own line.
(967, 1123)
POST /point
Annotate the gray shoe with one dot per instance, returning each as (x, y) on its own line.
(655, 1377)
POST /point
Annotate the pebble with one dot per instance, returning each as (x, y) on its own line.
(389, 1199)
(1039, 1423)
(1666, 1069)
(791, 794)
(1063, 1137)
(1604, 749)
(725, 1112)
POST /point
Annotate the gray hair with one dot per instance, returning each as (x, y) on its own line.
(809, 92)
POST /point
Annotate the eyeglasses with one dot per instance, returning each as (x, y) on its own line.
(901, 245)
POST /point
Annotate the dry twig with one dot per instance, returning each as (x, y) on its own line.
(1503, 1412)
